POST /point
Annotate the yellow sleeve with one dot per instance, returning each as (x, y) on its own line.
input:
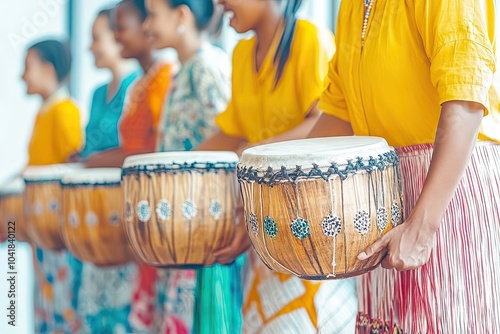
(332, 101)
(458, 40)
(69, 133)
(228, 121)
(317, 49)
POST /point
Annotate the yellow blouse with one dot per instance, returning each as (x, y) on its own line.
(418, 54)
(57, 133)
(259, 111)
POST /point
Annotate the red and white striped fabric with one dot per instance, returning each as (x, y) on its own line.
(458, 290)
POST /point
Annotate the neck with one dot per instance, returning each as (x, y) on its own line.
(50, 90)
(146, 61)
(119, 70)
(266, 29)
(190, 44)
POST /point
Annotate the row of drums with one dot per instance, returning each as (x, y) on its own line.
(309, 206)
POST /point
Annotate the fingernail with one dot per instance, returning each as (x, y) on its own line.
(362, 256)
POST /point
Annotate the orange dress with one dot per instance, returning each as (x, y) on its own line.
(142, 111)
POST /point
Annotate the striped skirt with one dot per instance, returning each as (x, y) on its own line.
(458, 290)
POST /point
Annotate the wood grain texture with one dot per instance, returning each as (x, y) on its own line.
(180, 239)
(12, 209)
(43, 220)
(102, 241)
(318, 255)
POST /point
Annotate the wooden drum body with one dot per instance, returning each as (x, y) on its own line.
(180, 206)
(43, 201)
(12, 219)
(92, 224)
(311, 206)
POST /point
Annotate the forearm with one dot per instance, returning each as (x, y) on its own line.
(455, 140)
(108, 159)
(330, 126)
(221, 142)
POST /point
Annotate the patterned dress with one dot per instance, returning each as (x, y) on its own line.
(105, 294)
(200, 92)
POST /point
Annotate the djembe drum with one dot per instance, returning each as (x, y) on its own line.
(42, 200)
(92, 224)
(180, 206)
(311, 206)
(12, 210)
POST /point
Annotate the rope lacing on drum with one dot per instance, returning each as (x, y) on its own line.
(271, 177)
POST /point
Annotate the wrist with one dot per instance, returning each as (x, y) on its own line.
(428, 217)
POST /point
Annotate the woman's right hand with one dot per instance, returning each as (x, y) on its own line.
(74, 158)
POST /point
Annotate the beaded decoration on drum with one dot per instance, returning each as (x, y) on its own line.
(163, 210)
(189, 209)
(114, 219)
(91, 219)
(362, 222)
(215, 209)
(53, 205)
(73, 219)
(382, 219)
(129, 212)
(37, 209)
(270, 227)
(395, 214)
(254, 223)
(331, 225)
(300, 228)
(143, 211)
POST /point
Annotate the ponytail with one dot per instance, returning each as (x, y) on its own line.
(285, 45)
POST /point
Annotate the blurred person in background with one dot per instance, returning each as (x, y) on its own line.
(57, 134)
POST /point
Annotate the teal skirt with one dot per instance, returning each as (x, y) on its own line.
(219, 298)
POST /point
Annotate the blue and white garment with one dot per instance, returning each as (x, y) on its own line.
(201, 90)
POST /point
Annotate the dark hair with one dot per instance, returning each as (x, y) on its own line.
(56, 53)
(139, 5)
(203, 10)
(285, 44)
(110, 15)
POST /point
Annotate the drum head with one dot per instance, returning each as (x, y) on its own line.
(93, 176)
(12, 187)
(180, 158)
(49, 173)
(320, 151)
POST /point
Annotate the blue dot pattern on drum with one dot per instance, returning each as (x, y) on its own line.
(382, 219)
(270, 227)
(254, 223)
(73, 219)
(189, 209)
(129, 212)
(215, 209)
(395, 214)
(331, 225)
(362, 222)
(91, 218)
(300, 228)
(114, 219)
(143, 211)
(163, 210)
(53, 205)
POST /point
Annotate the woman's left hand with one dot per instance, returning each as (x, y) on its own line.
(239, 245)
(408, 246)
